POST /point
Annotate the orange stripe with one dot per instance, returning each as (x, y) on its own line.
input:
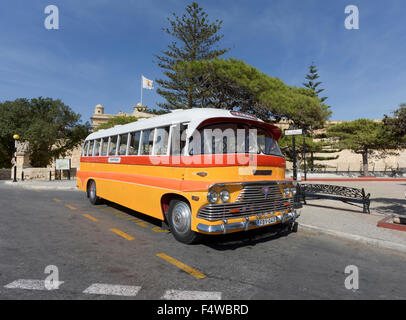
(199, 161)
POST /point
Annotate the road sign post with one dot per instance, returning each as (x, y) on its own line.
(294, 133)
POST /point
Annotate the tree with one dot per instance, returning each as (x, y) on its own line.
(397, 125)
(116, 121)
(363, 136)
(232, 84)
(14, 119)
(312, 84)
(197, 38)
(50, 126)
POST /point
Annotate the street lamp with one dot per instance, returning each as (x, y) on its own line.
(16, 137)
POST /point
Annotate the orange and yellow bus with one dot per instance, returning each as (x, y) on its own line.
(202, 171)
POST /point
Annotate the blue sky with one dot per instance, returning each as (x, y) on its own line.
(103, 47)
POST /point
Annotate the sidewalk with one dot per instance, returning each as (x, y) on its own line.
(43, 184)
(347, 221)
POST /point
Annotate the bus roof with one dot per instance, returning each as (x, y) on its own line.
(194, 117)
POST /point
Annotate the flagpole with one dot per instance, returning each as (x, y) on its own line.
(141, 90)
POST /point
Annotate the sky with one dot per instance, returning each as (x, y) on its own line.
(102, 48)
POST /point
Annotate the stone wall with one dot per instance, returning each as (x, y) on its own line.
(5, 174)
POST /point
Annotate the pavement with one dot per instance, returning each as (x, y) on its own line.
(110, 252)
(332, 218)
(43, 184)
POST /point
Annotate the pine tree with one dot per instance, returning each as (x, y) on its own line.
(196, 39)
(312, 84)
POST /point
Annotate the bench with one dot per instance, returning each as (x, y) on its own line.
(332, 192)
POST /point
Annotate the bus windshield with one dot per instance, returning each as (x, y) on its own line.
(225, 138)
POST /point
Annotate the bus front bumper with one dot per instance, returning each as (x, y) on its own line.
(248, 224)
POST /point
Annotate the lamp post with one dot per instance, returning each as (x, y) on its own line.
(16, 137)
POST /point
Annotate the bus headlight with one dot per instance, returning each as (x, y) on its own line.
(224, 195)
(212, 196)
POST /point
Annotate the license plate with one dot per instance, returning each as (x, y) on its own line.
(266, 221)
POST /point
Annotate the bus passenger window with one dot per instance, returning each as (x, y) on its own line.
(161, 141)
(123, 144)
(84, 150)
(113, 146)
(90, 151)
(147, 142)
(134, 143)
(178, 139)
(97, 148)
(105, 143)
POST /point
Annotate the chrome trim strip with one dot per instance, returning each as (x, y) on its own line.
(243, 225)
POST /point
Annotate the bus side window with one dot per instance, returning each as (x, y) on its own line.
(90, 150)
(123, 144)
(147, 142)
(113, 146)
(134, 143)
(97, 144)
(84, 149)
(161, 141)
(178, 139)
(105, 144)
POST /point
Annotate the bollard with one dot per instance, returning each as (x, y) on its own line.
(68, 174)
(22, 175)
(50, 176)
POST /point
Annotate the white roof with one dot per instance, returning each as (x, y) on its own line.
(194, 117)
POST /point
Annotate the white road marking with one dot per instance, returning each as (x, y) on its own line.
(28, 284)
(191, 295)
(112, 289)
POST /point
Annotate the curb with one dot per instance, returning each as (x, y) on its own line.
(40, 187)
(383, 244)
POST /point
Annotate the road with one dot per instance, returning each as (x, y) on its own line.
(125, 255)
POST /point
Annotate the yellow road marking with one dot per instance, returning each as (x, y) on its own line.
(70, 207)
(90, 217)
(159, 229)
(122, 234)
(57, 200)
(182, 266)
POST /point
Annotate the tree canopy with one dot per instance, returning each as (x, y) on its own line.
(50, 126)
(196, 39)
(233, 84)
(397, 125)
(312, 83)
(363, 136)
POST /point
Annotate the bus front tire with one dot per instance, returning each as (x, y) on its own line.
(179, 220)
(92, 195)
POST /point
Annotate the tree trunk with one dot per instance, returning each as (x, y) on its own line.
(365, 163)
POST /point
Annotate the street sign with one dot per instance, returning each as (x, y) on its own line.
(62, 164)
(295, 132)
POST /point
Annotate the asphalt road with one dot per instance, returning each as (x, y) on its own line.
(108, 244)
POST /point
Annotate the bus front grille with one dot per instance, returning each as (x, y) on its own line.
(252, 200)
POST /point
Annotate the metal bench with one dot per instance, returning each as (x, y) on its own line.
(332, 192)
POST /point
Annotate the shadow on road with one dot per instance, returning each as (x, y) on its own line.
(218, 242)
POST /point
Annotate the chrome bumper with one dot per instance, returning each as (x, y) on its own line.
(226, 227)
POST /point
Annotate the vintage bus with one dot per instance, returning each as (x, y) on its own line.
(202, 171)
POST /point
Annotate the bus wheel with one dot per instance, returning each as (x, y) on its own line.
(179, 220)
(91, 193)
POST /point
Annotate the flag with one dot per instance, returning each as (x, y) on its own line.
(147, 84)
